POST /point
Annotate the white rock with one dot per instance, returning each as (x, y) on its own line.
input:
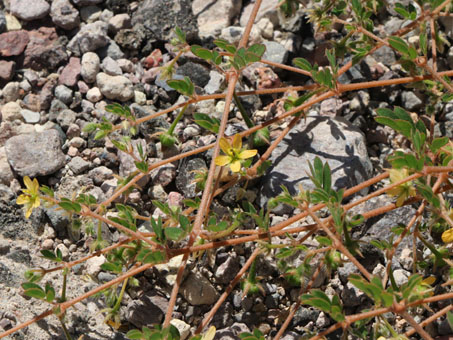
(64, 14)
(29, 10)
(211, 18)
(119, 22)
(11, 91)
(126, 65)
(90, 66)
(93, 265)
(139, 97)
(90, 14)
(11, 111)
(197, 290)
(111, 67)
(94, 95)
(29, 116)
(183, 328)
(115, 87)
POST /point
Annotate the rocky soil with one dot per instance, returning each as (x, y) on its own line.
(63, 61)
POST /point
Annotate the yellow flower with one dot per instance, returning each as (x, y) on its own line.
(447, 236)
(233, 153)
(402, 191)
(30, 196)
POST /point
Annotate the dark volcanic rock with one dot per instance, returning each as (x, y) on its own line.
(160, 17)
(149, 309)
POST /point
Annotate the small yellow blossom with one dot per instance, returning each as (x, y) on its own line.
(402, 191)
(30, 196)
(233, 153)
(447, 236)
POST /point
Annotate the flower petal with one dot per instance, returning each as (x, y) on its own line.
(35, 186)
(447, 236)
(23, 199)
(235, 166)
(247, 154)
(222, 160)
(237, 142)
(36, 203)
(28, 212)
(225, 145)
(28, 183)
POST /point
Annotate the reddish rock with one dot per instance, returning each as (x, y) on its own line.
(71, 73)
(46, 94)
(44, 49)
(7, 69)
(83, 87)
(13, 43)
(154, 59)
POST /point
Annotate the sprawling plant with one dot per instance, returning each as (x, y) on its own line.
(419, 175)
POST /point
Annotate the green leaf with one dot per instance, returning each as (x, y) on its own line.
(134, 334)
(90, 127)
(149, 256)
(49, 255)
(112, 267)
(261, 137)
(180, 34)
(399, 44)
(174, 233)
(450, 319)
(205, 121)
(33, 290)
(142, 166)
(303, 64)
(257, 49)
(203, 53)
(50, 293)
(437, 143)
(427, 192)
(216, 227)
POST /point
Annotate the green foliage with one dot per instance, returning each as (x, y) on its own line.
(183, 86)
(256, 335)
(205, 121)
(320, 300)
(156, 333)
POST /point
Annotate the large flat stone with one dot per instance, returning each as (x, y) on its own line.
(36, 154)
(334, 140)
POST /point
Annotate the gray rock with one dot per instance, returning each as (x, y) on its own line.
(411, 101)
(64, 94)
(163, 175)
(29, 10)
(385, 55)
(216, 80)
(450, 57)
(78, 165)
(111, 67)
(64, 14)
(59, 219)
(447, 22)
(401, 276)
(65, 118)
(226, 272)
(89, 38)
(110, 50)
(149, 309)
(30, 117)
(100, 174)
(331, 139)
(115, 87)
(185, 180)
(90, 14)
(275, 52)
(267, 10)
(197, 290)
(150, 126)
(37, 154)
(212, 18)
(198, 73)
(158, 18)
(232, 332)
(81, 3)
(90, 66)
(352, 296)
(6, 173)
